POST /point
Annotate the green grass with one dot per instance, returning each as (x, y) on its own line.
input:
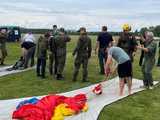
(142, 106)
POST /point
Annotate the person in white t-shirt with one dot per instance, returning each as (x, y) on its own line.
(28, 48)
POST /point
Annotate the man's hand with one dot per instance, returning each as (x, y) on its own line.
(49, 53)
(107, 71)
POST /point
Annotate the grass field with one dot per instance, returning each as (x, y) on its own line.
(142, 106)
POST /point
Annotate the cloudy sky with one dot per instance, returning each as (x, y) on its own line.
(72, 14)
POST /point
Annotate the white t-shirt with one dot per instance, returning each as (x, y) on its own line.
(29, 38)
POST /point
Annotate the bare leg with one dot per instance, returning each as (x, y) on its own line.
(121, 86)
(129, 84)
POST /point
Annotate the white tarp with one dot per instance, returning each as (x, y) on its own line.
(4, 71)
(96, 103)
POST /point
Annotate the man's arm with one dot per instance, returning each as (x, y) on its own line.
(77, 47)
(107, 65)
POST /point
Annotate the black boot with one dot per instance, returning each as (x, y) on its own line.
(60, 77)
(85, 80)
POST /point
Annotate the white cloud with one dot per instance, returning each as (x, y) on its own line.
(75, 13)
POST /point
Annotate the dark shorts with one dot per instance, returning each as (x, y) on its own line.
(27, 45)
(125, 69)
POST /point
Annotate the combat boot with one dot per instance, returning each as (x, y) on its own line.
(59, 77)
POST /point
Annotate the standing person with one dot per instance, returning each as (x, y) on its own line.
(28, 49)
(124, 67)
(127, 41)
(61, 44)
(42, 46)
(52, 52)
(83, 53)
(103, 40)
(149, 49)
(3, 40)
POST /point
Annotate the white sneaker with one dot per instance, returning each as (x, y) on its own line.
(151, 87)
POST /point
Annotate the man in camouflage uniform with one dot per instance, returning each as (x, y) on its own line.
(149, 49)
(83, 53)
(42, 46)
(3, 39)
(127, 41)
(52, 51)
(61, 44)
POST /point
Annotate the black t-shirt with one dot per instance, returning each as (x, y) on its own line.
(104, 39)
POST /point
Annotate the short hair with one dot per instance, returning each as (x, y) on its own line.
(83, 29)
(150, 34)
(47, 34)
(54, 26)
(62, 30)
(104, 28)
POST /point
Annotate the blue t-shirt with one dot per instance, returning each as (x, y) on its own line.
(118, 54)
(104, 39)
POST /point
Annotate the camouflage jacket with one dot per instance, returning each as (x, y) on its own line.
(60, 44)
(127, 42)
(42, 46)
(84, 46)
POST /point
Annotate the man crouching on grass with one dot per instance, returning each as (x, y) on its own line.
(124, 67)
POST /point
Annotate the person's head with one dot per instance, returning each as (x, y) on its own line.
(104, 28)
(126, 28)
(54, 26)
(47, 35)
(62, 31)
(149, 36)
(29, 32)
(3, 31)
(83, 31)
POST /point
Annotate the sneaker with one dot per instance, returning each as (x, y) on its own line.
(151, 87)
(38, 75)
(60, 77)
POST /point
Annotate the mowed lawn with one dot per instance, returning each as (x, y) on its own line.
(141, 106)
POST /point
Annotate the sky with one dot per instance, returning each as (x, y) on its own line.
(72, 14)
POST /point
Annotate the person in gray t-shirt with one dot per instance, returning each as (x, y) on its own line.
(118, 54)
(124, 67)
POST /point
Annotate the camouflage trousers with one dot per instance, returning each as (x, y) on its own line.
(147, 68)
(3, 55)
(29, 57)
(60, 63)
(52, 63)
(77, 64)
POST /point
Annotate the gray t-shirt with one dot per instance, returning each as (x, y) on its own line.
(118, 54)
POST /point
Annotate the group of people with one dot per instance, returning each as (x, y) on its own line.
(54, 44)
(124, 52)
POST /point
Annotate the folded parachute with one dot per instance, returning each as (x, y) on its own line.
(51, 107)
